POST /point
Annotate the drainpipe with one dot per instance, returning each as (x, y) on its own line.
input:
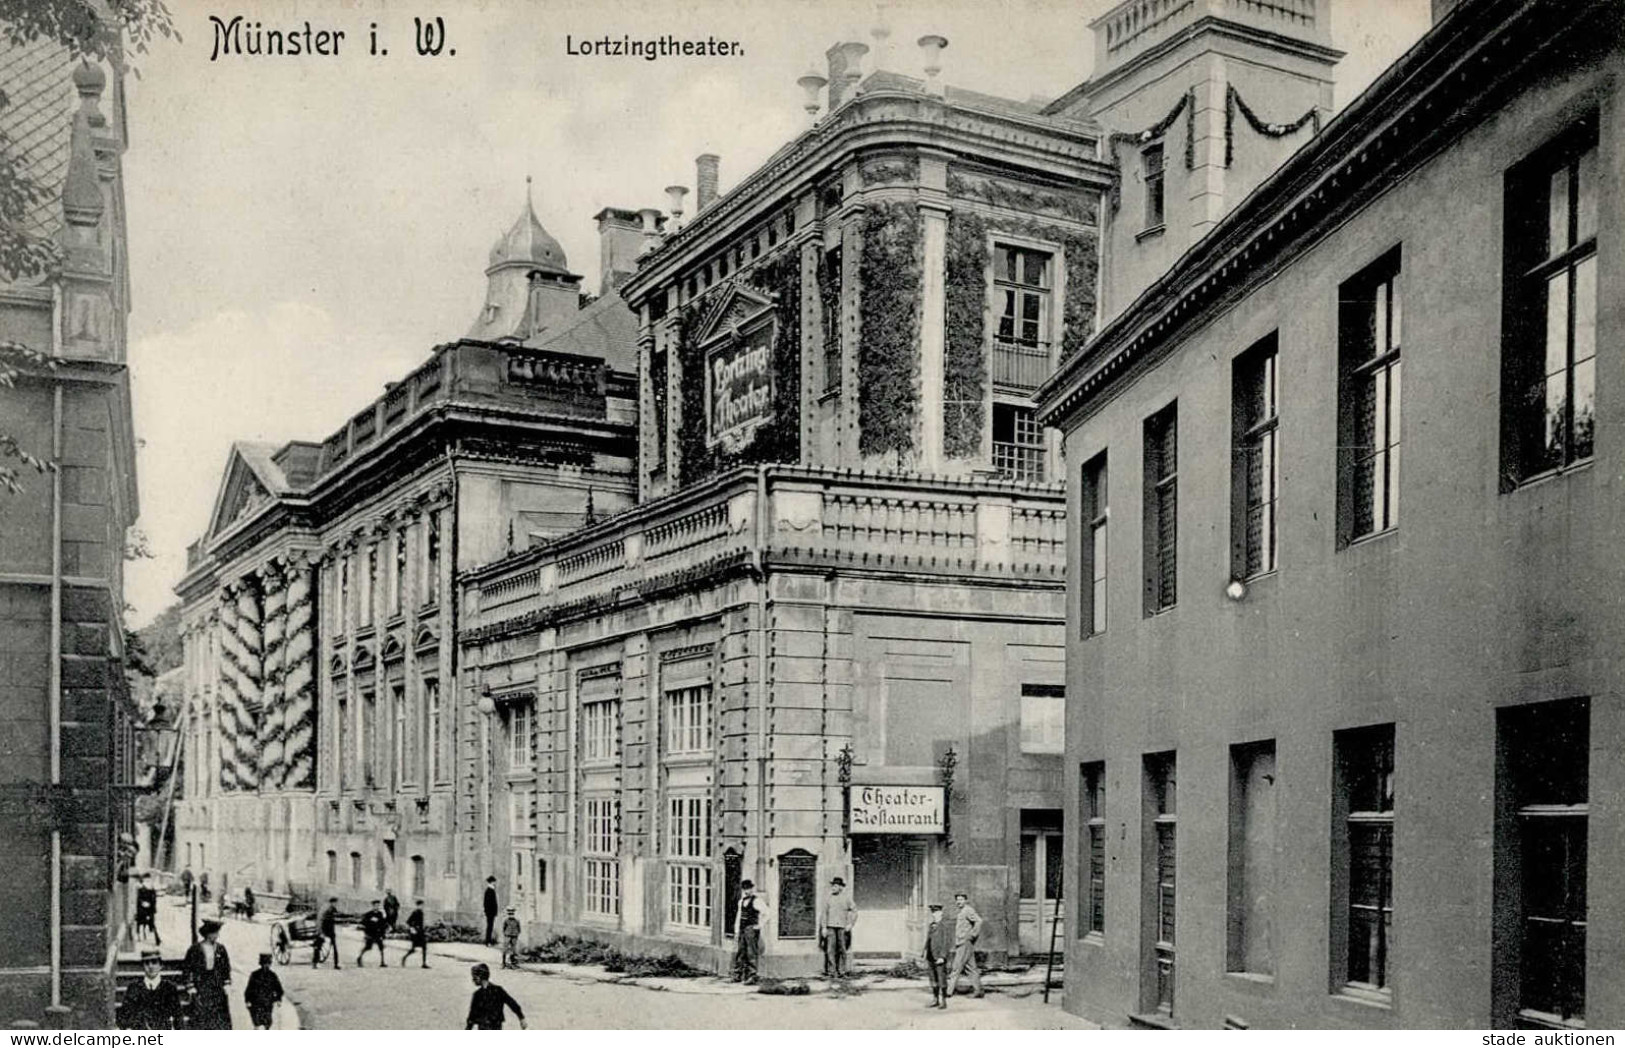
(761, 673)
(56, 694)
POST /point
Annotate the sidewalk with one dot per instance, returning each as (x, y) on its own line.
(244, 942)
(1013, 984)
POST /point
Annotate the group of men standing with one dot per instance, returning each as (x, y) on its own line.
(381, 918)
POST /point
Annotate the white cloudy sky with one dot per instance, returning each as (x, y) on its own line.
(303, 230)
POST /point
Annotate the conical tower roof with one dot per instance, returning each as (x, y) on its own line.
(527, 243)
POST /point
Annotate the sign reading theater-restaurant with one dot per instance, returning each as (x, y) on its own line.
(896, 809)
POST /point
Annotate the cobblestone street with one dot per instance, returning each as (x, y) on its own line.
(396, 998)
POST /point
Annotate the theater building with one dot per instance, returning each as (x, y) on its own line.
(1343, 725)
(319, 614)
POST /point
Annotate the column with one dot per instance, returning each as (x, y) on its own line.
(933, 332)
(268, 732)
(230, 694)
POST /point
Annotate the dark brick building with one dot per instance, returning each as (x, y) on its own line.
(64, 733)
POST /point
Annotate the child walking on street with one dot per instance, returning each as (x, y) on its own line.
(510, 940)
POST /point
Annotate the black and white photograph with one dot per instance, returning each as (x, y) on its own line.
(928, 515)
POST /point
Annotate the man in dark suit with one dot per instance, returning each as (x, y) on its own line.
(935, 954)
(330, 933)
(392, 908)
(207, 969)
(491, 908)
(373, 924)
(146, 910)
(154, 1003)
(420, 936)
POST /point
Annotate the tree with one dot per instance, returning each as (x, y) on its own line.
(104, 30)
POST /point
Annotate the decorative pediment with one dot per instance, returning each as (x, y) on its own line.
(364, 658)
(734, 310)
(250, 483)
(337, 667)
(426, 638)
(393, 648)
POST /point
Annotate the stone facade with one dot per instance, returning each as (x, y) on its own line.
(65, 715)
(322, 735)
(1369, 783)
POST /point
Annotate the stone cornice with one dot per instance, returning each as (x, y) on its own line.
(878, 119)
(1458, 72)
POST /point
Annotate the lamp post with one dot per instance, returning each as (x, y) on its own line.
(487, 706)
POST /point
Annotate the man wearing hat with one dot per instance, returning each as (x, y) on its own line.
(490, 911)
(967, 929)
(153, 1003)
(263, 994)
(207, 969)
(510, 940)
(420, 937)
(835, 929)
(329, 933)
(485, 1009)
(373, 924)
(935, 954)
(748, 935)
(146, 909)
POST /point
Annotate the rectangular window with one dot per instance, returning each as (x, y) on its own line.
(1018, 443)
(1543, 795)
(1151, 171)
(1023, 285)
(658, 379)
(1092, 863)
(1363, 860)
(1160, 863)
(355, 869)
(420, 875)
(830, 306)
(332, 866)
(600, 734)
(1043, 718)
(1550, 320)
(688, 721)
(519, 813)
(688, 861)
(1255, 460)
(601, 871)
(1252, 889)
(1093, 549)
(520, 716)
(1368, 399)
(431, 702)
(342, 606)
(431, 558)
(343, 739)
(397, 574)
(1161, 509)
(369, 583)
(397, 734)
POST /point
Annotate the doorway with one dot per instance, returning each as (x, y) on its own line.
(888, 875)
(1041, 877)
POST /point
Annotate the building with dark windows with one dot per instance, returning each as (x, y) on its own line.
(828, 640)
(1344, 722)
(67, 756)
(325, 747)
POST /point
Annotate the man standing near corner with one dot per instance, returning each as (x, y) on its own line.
(748, 933)
(967, 929)
(835, 930)
(491, 907)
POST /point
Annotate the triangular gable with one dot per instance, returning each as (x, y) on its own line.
(735, 309)
(243, 493)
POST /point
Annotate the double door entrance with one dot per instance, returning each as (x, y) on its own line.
(1040, 881)
(888, 875)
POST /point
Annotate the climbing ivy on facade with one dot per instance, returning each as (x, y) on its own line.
(888, 356)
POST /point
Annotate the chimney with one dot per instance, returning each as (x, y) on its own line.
(837, 77)
(705, 180)
(620, 242)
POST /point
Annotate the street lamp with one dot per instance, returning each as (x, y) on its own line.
(487, 706)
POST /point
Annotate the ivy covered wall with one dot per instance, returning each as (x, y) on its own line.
(778, 440)
(965, 373)
(888, 345)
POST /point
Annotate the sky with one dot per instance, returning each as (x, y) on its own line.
(304, 229)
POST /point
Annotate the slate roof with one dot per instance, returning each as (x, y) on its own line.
(607, 328)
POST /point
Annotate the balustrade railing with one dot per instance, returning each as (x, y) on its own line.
(1019, 365)
(685, 531)
(593, 562)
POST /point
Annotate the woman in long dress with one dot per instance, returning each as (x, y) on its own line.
(207, 969)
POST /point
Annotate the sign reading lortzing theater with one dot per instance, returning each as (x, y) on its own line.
(896, 809)
(739, 383)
